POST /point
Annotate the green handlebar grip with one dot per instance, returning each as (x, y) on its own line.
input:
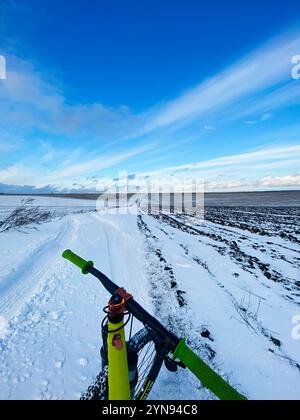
(76, 260)
(210, 379)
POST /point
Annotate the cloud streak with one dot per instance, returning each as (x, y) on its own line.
(249, 91)
(268, 68)
(251, 170)
(259, 82)
(279, 154)
(27, 100)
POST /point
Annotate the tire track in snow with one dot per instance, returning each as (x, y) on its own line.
(30, 273)
(175, 313)
(126, 255)
(250, 320)
(246, 261)
(52, 347)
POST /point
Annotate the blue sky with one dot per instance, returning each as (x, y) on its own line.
(173, 88)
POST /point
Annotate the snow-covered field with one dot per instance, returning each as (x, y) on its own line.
(230, 284)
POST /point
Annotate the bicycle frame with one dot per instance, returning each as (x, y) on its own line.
(118, 374)
(118, 364)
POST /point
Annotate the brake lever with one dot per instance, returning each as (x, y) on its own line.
(172, 365)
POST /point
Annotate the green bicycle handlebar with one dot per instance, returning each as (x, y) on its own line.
(78, 261)
(209, 378)
(132, 306)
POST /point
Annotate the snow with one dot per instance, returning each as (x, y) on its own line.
(3, 328)
(212, 287)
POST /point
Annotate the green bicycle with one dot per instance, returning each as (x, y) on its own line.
(130, 369)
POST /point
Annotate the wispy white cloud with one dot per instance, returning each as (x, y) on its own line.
(290, 181)
(249, 91)
(230, 173)
(27, 100)
(266, 117)
(280, 154)
(86, 167)
(263, 118)
(285, 96)
(268, 68)
(20, 173)
(251, 122)
(252, 170)
(257, 84)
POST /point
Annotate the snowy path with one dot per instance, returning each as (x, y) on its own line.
(230, 291)
(52, 347)
(49, 350)
(21, 281)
